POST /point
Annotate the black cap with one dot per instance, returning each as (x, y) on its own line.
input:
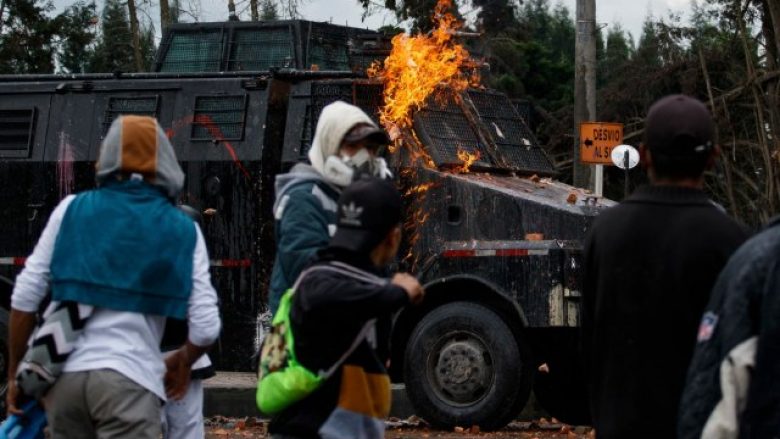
(369, 133)
(368, 209)
(679, 125)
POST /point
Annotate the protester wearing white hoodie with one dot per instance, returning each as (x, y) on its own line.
(345, 145)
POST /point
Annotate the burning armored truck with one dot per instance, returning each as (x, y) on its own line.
(496, 242)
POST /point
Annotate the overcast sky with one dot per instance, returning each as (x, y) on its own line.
(629, 13)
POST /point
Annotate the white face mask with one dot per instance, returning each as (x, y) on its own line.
(343, 170)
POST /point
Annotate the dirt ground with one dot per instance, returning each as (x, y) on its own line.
(412, 428)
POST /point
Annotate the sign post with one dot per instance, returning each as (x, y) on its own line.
(596, 142)
(625, 157)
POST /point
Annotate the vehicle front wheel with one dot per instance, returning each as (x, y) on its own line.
(464, 367)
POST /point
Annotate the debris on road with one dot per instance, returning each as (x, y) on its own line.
(413, 427)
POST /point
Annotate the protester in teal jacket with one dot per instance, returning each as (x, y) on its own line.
(346, 143)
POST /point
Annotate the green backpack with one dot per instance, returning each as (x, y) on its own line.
(282, 380)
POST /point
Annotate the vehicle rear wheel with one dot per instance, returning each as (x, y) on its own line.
(464, 367)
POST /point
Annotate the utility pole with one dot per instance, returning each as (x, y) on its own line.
(585, 91)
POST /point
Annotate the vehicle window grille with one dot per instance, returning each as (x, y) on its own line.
(261, 49)
(219, 117)
(16, 132)
(308, 133)
(515, 141)
(328, 49)
(369, 98)
(322, 94)
(362, 61)
(446, 130)
(523, 108)
(194, 52)
(139, 106)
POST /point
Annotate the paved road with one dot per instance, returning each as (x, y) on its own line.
(232, 428)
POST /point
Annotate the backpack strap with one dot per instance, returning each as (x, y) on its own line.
(325, 374)
(344, 269)
(355, 273)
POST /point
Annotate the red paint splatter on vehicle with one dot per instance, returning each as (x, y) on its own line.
(215, 132)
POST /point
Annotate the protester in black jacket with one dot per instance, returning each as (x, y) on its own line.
(650, 264)
(745, 304)
(334, 300)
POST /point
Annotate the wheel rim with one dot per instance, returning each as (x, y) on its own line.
(460, 369)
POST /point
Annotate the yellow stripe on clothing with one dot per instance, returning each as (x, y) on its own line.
(365, 393)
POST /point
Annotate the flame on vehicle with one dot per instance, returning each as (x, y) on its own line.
(418, 68)
(468, 160)
(420, 64)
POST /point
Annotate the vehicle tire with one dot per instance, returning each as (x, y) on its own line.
(464, 367)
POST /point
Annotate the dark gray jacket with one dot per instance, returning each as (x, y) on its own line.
(650, 265)
(745, 302)
(305, 214)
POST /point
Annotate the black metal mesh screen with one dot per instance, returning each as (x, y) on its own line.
(261, 49)
(514, 139)
(327, 48)
(194, 52)
(16, 129)
(367, 48)
(362, 61)
(523, 108)
(446, 130)
(369, 98)
(322, 94)
(139, 106)
(219, 117)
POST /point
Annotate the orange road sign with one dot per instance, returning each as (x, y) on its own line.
(597, 140)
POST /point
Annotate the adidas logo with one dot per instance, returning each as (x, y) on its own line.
(351, 215)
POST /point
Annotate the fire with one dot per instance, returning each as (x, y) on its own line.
(418, 68)
(418, 189)
(417, 65)
(468, 159)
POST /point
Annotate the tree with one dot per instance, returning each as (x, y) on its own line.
(135, 31)
(495, 15)
(547, 52)
(114, 51)
(618, 51)
(419, 11)
(27, 37)
(165, 14)
(647, 51)
(177, 11)
(76, 35)
(269, 10)
(148, 49)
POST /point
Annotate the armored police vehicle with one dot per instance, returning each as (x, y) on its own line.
(497, 244)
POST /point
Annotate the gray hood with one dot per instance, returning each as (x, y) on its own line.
(137, 145)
